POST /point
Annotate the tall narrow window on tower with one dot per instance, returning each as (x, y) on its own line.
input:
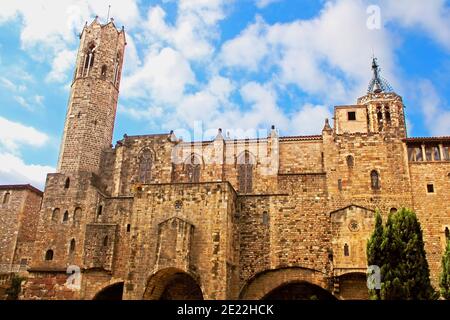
(116, 70)
(88, 61)
(387, 115)
(245, 173)
(193, 168)
(145, 166)
(375, 180)
(379, 118)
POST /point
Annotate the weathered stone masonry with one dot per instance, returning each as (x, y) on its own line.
(272, 217)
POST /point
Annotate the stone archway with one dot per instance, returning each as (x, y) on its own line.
(299, 291)
(172, 284)
(112, 292)
(280, 282)
(353, 286)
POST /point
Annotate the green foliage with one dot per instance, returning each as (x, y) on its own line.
(445, 276)
(374, 254)
(14, 290)
(398, 249)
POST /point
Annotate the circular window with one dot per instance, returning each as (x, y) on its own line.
(178, 204)
(353, 225)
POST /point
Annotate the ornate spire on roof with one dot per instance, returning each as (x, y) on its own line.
(378, 84)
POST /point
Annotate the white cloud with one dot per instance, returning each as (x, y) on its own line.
(328, 56)
(63, 62)
(8, 84)
(310, 119)
(49, 29)
(265, 3)
(14, 134)
(193, 31)
(163, 77)
(432, 16)
(13, 170)
(436, 115)
(248, 49)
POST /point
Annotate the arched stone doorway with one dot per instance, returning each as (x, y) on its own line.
(299, 291)
(353, 286)
(287, 283)
(113, 292)
(173, 284)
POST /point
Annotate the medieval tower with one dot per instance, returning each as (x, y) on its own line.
(275, 217)
(93, 98)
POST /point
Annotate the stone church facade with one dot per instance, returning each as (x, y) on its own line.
(155, 217)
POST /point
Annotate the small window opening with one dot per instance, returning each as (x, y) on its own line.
(49, 255)
(447, 233)
(128, 227)
(66, 216)
(265, 218)
(55, 214)
(351, 116)
(350, 161)
(346, 250)
(105, 241)
(430, 188)
(67, 184)
(72, 246)
(340, 184)
(6, 198)
(99, 211)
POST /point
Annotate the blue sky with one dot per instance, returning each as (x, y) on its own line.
(241, 65)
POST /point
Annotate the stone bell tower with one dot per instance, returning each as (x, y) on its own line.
(93, 98)
(385, 109)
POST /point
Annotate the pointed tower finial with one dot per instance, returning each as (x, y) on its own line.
(109, 12)
(378, 84)
(327, 126)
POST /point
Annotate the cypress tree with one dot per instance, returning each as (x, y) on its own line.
(445, 276)
(404, 268)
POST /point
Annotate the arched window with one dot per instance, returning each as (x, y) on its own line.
(116, 70)
(67, 184)
(105, 241)
(350, 161)
(265, 218)
(379, 118)
(104, 69)
(99, 211)
(346, 250)
(145, 166)
(387, 115)
(375, 180)
(6, 198)
(89, 59)
(72, 246)
(77, 215)
(245, 173)
(192, 169)
(55, 214)
(66, 216)
(393, 210)
(49, 255)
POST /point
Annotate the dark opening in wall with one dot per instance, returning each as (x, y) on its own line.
(128, 227)
(340, 184)
(99, 211)
(375, 180)
(66, 216)
(447, 233)
(67, 184)
(49, 255)
(6, 198)
(346, 250)
(105, 241)
(72, 246)
(430, 188)
(351, 116)
(265, 218)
